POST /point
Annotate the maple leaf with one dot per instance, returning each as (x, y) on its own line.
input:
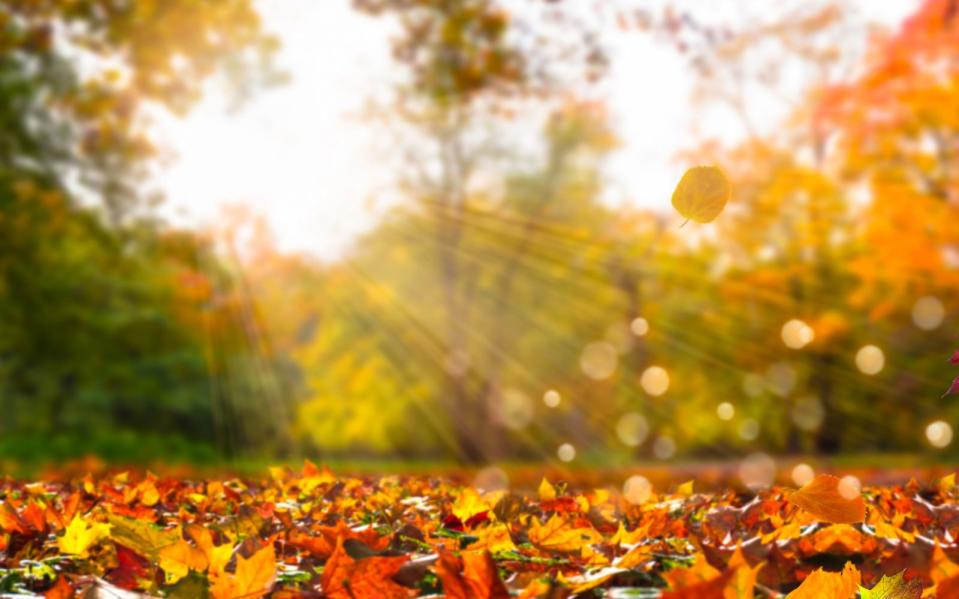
(144, 538)
(472, 576)
(940, 566)
(714, 588)
(10, 520)
(546, 490)
(81, 535)
(253, 578)
(558, 534)
(179, 558)
(893, 587)
(821, 498)
(367, 578)
(829, 585)
(217, 556)
(131, 569)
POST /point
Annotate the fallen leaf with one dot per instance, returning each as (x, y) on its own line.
(893, 587)
(829, 585)
(714, 588)
(178, 559)
(369, 578)
(546, 490)
(559, 534)
(821, 498)
(472, 576)
(81, 535)
(253, 578)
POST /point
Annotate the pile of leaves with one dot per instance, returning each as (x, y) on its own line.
(312, 534)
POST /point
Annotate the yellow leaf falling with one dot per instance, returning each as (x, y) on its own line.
(701, 194)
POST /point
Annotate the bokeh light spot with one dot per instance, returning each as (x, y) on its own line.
(552, 398)
(796, 334)
(598, 360)
(637, 489)
(664, 447)
(639, 326)
(939, 433)
(757, 471)
(725, 411)
(803, 474)
(566, 452)
(928, 313)
(655, 380)
(850, 487)
(749, 429)
(632, 429)
(870, 360)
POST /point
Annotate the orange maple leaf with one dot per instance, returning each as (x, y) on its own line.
(472, 576)
(822, 499)
(366, 578)
(829, 585)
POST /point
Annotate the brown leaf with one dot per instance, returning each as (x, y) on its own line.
(822, 499)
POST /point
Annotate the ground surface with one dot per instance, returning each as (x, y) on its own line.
(309, 533)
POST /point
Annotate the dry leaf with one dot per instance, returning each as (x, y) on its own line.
(821, 498)
(829, 585)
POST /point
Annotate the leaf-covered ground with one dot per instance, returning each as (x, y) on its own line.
(312, 534)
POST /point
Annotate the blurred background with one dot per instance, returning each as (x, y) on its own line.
(439, 231)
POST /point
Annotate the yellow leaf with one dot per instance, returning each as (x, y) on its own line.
(253, 578)
(947, 483)
(217, 556)
(743, 582)
(636, 556)
(145, 538)
(701, 194)
(468, 504)
(624, 537)
(559, 535)
(685, 489)
(493, 538)
(80, 535)
(546, 490)
(829, 585)
(893, 587)
(179, 558)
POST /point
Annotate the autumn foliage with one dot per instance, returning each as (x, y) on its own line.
(310, 533)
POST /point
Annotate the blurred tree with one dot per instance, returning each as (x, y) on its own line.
(97, 333)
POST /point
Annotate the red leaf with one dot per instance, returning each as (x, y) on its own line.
(130, 570)
(953, 388)
(955, 357)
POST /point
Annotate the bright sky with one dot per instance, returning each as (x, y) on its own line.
(301, 155)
